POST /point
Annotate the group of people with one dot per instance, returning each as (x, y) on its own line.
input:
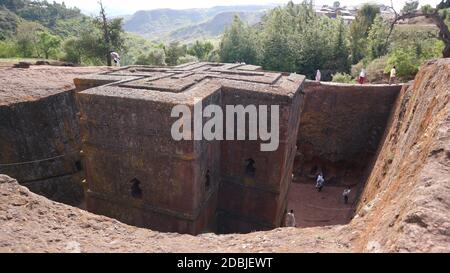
(320, 183)
(392, 77)
(362, 76)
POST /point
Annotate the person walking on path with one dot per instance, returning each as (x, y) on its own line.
(362, 76)
(346, 195)
(116, 58)
(290, 219)
(393, 76)
(320, 182)
(318, 75)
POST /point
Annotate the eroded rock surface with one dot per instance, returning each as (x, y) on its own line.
(404, 207)
(31, 223)
(39, 130)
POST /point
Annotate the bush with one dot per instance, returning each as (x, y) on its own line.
(187, 59)
(343, 78)
(406, 63)
(156, 57)
(356, 69)
(7, 49)
(375, 70)
(72, 51)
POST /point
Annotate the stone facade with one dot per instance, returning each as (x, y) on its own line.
(138, 174)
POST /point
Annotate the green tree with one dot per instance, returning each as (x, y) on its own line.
(48, 44)
(439, 16)
(238, 43)
(295, 39)
(7, 49)
(410, 6)
(27, 38)
(73, 50)
(90, 44)
(359, 30)
(173, 52)
(340, 52)
(405, 61)
(444, 4)
(156, 57)
(112, 34)
(201, 50)
(376, 41)
(13, 5)
(277, 44)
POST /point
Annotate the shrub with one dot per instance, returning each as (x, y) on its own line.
(7, 49)
(375, 70)
(356, 69)
(187, 59)
(156, 57)
(343, 78)
(404, 60)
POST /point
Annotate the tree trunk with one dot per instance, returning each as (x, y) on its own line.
(444, 33)
(106, 33)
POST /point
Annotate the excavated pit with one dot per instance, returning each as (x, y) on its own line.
(341, 128)
(403, 207)
(339, 132)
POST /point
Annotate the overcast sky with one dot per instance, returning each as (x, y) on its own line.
(122, 7)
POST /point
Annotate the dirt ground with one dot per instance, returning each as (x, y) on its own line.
(325, 208)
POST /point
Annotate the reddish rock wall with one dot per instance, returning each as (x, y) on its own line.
(341, 125)
(39, 130)
(40, 146)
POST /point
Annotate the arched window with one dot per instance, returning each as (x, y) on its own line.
(79, 166)
(250, 169)
(207, 180)
(136, 190)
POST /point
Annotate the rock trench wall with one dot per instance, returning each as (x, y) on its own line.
(40, 145)
(341, 126)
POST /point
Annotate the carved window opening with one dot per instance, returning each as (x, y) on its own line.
(250, 169)
(136, 191)
(79, 166)
(208, 179)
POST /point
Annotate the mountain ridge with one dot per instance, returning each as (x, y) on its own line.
(166, 25)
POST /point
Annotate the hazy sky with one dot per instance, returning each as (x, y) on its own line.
(122, 7)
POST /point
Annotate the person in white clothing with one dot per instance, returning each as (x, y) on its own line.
(290, 219)
(393, 76)
(318, 75)
(115, 57)
(320, 182)
(362, 76)
(346, 195)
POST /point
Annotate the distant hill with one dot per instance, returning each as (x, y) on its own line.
(55, 17)
(214, 27)
(8, 23)
(165, 25)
